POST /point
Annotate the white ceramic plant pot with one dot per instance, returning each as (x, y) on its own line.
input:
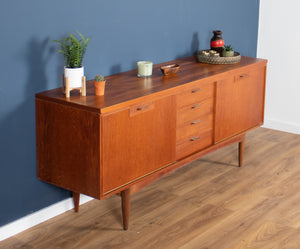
(75, 76)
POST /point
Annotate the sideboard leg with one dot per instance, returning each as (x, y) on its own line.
(76, 197)
(67, 91)
(125, 194)
(241, 151)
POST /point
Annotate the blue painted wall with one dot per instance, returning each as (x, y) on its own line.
(122, 32)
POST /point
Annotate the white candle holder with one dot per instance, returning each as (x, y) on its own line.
(144, 68)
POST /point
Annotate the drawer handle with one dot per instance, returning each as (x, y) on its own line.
(243, 75)
(196, 90)
(195, 122)
(142, 107)
(194, 138)
(195, 106)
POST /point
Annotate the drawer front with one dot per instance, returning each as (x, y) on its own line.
(196, 126)
(193, 143)
(195, 94)
(194, 111)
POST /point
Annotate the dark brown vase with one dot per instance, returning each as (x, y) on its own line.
(217, 42)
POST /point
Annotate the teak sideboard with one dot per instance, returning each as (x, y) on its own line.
(144, 128)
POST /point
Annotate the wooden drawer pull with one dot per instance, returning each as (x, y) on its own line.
(195, 122)
(196, 90)
(195, 106)
(194, 138)
(142, 107)
(243, 75)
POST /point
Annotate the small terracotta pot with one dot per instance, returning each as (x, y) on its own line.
(99, 87)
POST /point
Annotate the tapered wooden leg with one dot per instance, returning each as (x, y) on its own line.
(241, 151)
(83, 87)
(67, 87)
(76, 197)
(125, 194)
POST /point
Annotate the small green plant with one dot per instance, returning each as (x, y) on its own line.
(73, 49)
(99, 78)
(228, 48)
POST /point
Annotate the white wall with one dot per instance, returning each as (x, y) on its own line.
(279, 42)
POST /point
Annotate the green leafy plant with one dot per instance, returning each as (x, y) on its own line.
(73, 49)
(99, 77)
(228, 48)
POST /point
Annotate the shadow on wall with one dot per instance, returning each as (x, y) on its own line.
(18, 145)
(195, 45)
(37, 57)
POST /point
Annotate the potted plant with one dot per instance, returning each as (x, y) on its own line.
(99, 85)
(73, 50)
(227, 51)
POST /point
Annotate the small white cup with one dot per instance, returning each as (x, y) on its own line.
(144, 68)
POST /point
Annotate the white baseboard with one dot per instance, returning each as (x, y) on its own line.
(282, 126)
(38, 217)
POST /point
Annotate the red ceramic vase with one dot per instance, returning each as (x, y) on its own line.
(217, 42)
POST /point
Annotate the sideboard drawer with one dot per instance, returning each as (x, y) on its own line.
(199, 125)
(193, 143)
(195, 94)
(194, 123)
(192, 112)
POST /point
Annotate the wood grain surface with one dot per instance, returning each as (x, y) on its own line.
(212, 204)
(136, 145)
(145, 125)
(127, 87)
(68, 147)
(239, 102)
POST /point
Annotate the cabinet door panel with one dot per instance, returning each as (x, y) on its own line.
(137, 141)
(239, 103)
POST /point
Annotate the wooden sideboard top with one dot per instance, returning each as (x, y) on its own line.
(126, 88)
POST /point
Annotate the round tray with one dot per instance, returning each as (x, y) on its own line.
(218, 60)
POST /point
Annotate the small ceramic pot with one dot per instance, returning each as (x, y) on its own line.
(99, 87)
(227, 53)
(75, 76)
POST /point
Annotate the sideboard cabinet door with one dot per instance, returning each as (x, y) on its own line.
(137, 141)
(239, 103)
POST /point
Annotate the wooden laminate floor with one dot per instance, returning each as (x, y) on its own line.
(209, 204)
